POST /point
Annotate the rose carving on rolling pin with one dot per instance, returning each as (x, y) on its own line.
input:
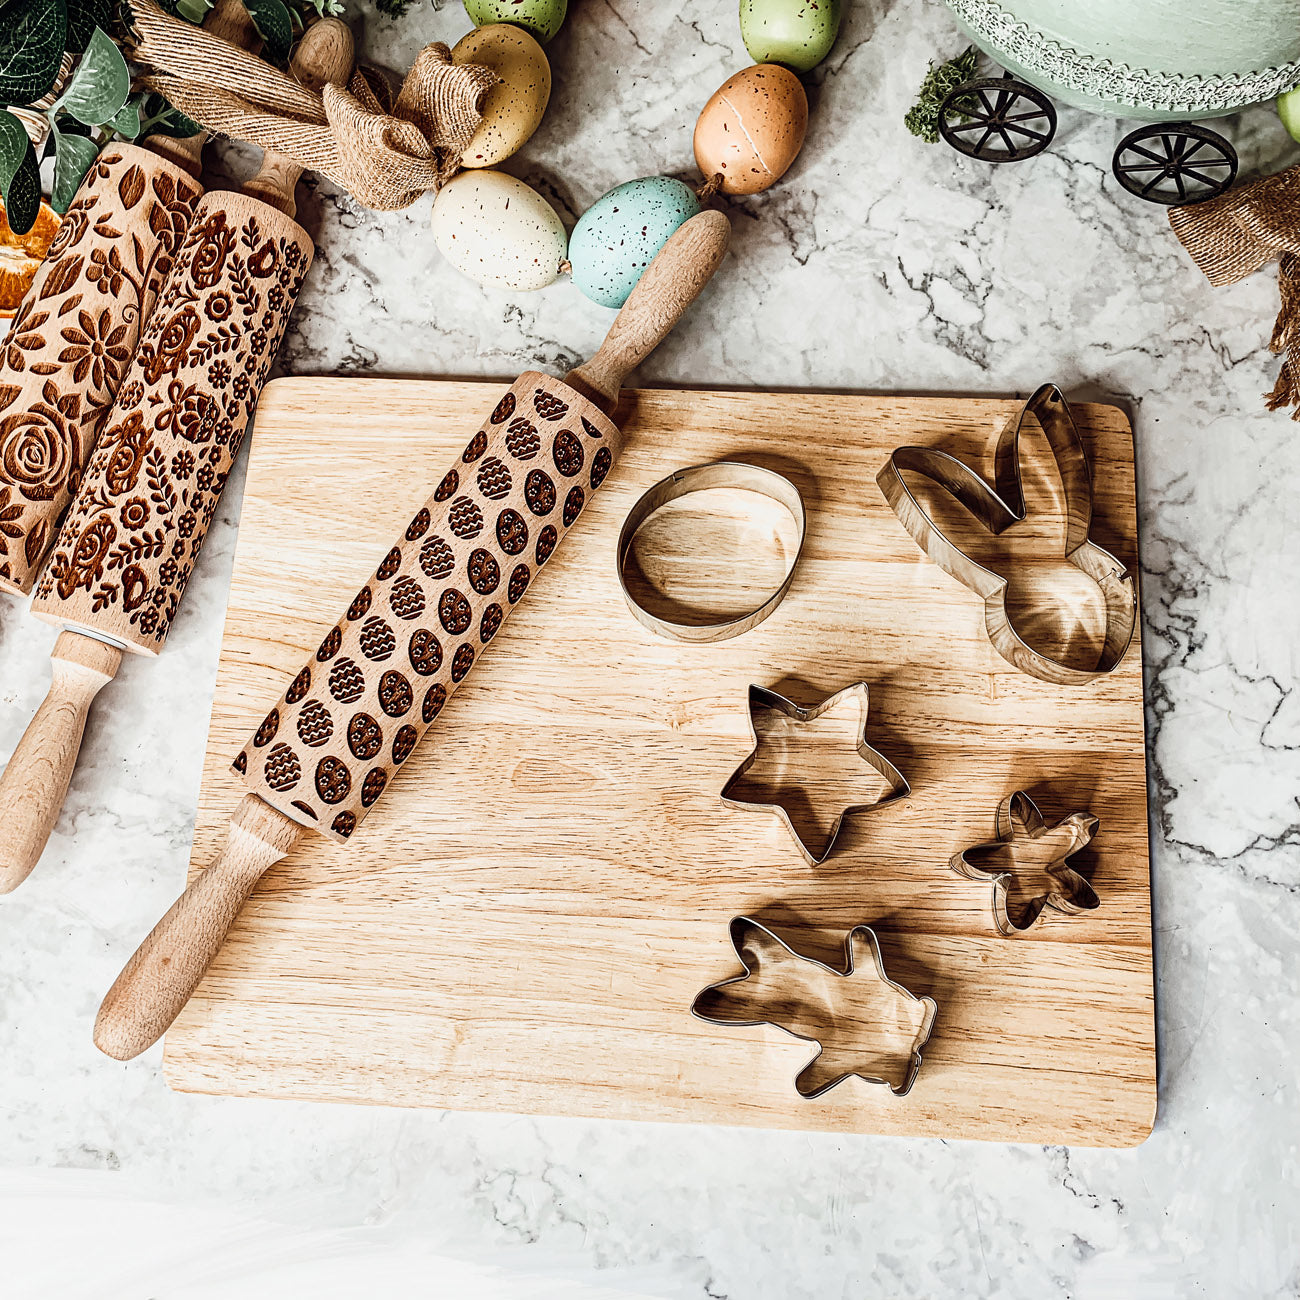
(336, 740)
(70, 343)
(130, 540)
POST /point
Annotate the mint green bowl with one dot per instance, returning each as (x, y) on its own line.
(1156, 60)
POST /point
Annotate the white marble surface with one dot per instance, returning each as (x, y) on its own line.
(878, 264)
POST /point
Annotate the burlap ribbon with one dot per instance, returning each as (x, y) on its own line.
(385, 155)
(1241, 231)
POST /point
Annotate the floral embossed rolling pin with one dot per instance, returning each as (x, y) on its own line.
(127, 548)
(355, 712)
(67, 352)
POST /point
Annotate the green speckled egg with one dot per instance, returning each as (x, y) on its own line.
(541, 17)
(797, 33)
(616, 238)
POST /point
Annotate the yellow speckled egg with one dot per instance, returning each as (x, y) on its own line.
(513, 109)
(496, 230)
(752, 128)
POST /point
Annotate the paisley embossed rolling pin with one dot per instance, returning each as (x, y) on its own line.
(353, 715)
(72, 338)
(127, 548)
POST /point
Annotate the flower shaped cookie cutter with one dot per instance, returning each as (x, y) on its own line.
(998, 507)
(862, 1021)
(1027, 845)
(760, 697)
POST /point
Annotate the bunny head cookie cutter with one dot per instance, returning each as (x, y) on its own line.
(1001, 504)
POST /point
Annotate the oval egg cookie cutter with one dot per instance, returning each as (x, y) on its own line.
(700, 478)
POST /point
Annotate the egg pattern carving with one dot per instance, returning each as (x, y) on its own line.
(428, 614)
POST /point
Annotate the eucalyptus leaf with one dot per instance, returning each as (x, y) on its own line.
(73, 156)
(271, 18)
(126, 122)
(193, 11)
(83, 17)
(158, 115)
(20, 175)
(101, 83)
(32, 36)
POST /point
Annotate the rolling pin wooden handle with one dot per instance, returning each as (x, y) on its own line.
(165, 970)
(229, 21)
(324, 56)
(35, 782)
(673, 280)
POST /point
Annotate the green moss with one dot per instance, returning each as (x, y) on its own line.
(923, 118)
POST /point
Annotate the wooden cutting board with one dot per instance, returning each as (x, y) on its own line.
(523, 921)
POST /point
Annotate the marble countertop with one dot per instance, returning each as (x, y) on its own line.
(878, 264)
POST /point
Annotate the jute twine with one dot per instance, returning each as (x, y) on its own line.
(1234, 235)
(385, 154)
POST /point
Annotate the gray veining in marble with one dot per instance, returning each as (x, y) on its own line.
(878, 264)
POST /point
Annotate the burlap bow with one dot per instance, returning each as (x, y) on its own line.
(385, 155)
(1241, 231)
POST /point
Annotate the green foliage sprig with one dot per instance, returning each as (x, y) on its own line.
(97, 103)
(940, 81)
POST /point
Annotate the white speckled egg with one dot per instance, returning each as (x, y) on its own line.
(618, 236)
(797, 33)
(496, 230)
(512, 110)
(542, 17)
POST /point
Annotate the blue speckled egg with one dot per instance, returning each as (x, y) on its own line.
(616, 238)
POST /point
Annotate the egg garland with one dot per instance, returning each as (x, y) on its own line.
(501, 233)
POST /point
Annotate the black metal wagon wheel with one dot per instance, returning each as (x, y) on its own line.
(1175, 162)
(997, 120)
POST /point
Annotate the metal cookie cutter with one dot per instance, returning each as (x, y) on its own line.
(999, 506)
(862, 1022)
(1027, 864)
(761, 697)
(699, 478)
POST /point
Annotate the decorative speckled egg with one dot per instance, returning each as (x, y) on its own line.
(512, 110)
(616, 238)
(496, 230)
(797, 33)
(541, 17)
(752, 128)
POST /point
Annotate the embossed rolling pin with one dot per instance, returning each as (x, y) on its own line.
(353, 715)
(72, 338)
(128, 546)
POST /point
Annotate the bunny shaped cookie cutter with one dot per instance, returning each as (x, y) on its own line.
(1002, 504)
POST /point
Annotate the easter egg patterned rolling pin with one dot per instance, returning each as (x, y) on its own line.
(348, 720)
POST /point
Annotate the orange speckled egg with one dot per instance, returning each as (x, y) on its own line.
(752, 128)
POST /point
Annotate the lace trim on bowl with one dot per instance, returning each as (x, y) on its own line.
(1117, 83)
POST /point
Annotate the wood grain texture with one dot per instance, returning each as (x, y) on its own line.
(69, 345)
(524, 921)
(35, 780)
(162, 973)
(673, 280)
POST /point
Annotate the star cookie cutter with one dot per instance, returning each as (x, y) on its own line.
(761, 697)
(863, 1023)
(1000, 505)
(1024, 835)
